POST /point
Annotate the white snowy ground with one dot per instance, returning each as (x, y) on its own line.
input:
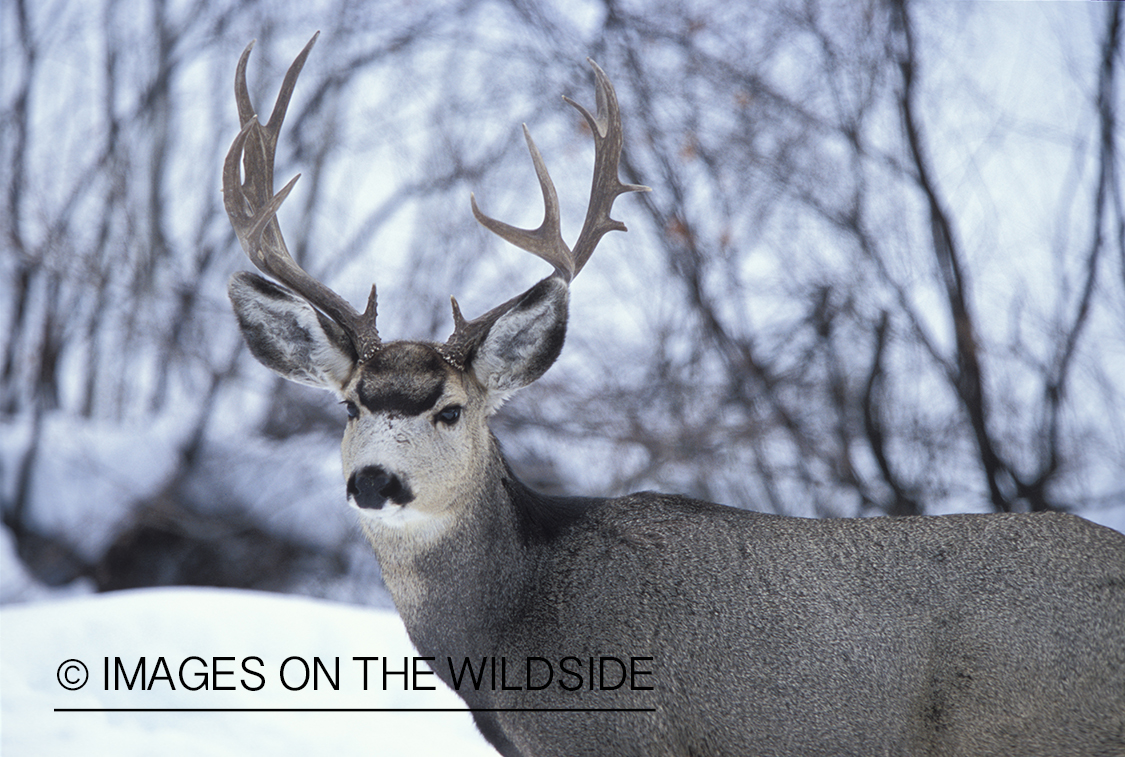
(38, 637)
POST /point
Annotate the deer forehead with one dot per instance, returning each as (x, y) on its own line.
(407, 379)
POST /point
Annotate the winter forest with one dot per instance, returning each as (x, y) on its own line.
(881, 270)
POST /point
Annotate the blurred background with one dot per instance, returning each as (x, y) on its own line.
(881, 270)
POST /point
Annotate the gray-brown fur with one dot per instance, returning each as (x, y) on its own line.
(958, 635)
(757, 635)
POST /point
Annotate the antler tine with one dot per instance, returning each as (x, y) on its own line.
(546, 241)
(606, 185)
(252, 208)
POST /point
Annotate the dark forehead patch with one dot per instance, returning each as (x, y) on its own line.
(404, 378)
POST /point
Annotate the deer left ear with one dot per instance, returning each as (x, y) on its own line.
(524, 342)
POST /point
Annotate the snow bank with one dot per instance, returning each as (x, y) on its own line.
(177, 624)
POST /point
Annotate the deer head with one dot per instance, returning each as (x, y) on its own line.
(417, 433)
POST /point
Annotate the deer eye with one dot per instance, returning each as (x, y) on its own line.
(449, 415)
(352, 408)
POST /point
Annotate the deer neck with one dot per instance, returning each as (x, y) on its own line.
(456, 583)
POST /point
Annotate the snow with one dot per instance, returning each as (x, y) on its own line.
(176, 624)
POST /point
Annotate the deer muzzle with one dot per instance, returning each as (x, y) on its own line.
(372, 487)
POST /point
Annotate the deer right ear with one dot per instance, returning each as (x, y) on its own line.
(288, 335)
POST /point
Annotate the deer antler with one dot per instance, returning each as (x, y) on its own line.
(252, 207)
(546, 241)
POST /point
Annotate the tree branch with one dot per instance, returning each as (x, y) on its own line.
(968, 378)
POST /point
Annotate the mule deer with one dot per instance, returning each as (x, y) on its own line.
(654, 624)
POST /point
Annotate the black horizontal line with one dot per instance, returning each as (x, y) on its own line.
(355, 709)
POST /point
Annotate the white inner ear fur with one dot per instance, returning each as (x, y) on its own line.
(324, 364)
(292, 335)
(333, 367)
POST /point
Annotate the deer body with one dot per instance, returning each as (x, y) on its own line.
(960, 635)
(739, 633)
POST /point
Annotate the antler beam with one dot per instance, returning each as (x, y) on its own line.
(546, 241)
(252, 207)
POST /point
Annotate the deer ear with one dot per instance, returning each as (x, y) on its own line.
(288, 335)
(524, 342)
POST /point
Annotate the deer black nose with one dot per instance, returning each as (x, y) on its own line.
(372, 486)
